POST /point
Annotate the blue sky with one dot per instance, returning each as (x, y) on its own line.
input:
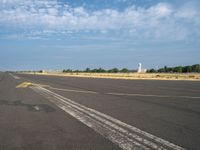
(62, 34)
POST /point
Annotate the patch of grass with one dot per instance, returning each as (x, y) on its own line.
(131, 76)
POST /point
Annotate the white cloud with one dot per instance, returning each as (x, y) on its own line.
(158, 21)
(161, 10)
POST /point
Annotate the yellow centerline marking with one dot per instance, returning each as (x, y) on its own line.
(24, 85)
(27, 84)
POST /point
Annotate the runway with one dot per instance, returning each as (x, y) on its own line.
(50, 112)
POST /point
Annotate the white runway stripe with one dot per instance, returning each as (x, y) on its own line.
(14, 76)
(148, 95)
(125, 136)
(69, 90)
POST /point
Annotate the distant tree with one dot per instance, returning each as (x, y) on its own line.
(184, 69)
(189, 69)
(68, 70)
(114, 70)
(178, 69)
(101, 70)
(93, 70)
(161, 70)
(151, 71)
(124, 70)
(87, 70)
(76, 71)
(196, 68)
(165, 69)
(169, 69)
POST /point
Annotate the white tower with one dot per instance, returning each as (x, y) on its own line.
(139, 68)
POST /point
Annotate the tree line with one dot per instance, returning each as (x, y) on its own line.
(178, 69)
(100, 70)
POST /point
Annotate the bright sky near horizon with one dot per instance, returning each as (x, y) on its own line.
(62, 34)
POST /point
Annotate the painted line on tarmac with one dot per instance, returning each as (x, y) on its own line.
(179, 89)
(24, 85)
(125, 136)
(14, 76)
(146, 95)
(27, 84)
(69, 90)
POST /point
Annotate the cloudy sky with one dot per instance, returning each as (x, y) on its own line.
(62, 34)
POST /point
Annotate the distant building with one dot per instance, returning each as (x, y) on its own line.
(140, 70)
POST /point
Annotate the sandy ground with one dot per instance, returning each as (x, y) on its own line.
(129, 76)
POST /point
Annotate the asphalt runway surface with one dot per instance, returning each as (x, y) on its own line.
(55, 113)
